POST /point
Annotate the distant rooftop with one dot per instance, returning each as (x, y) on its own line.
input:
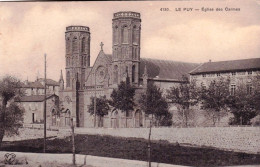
(33, 98)
(228, 66)
(39, 83)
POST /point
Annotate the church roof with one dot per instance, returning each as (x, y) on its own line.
(166, 69)
(228, 66)
(33, 98)
(32, 85)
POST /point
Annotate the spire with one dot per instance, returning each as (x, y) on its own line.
(61, 81)
(61, 76)
(145, 76)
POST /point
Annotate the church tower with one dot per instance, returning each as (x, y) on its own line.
(126, 46)
(77, 55)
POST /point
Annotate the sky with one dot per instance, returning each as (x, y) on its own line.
(30, 29)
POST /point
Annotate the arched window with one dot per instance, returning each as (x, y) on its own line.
(83, 44)
(125, 34)
(134, 55)
(84, 61)
(116, 34)
(68, 79)
(133, 73)
(136, 52)
(115, 74)
(68, 45)
(74, 44)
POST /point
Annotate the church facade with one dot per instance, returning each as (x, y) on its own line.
(109, 70)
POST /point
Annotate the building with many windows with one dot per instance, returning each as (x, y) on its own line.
(238, 71)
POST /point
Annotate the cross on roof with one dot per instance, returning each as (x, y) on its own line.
(101, 44)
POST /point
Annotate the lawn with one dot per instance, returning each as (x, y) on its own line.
(133, 148)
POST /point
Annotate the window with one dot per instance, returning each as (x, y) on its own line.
(133, 73)
(233, 90)
(136, 35)
(233, 73)
(249, 88)
(116, 35)
(211, 75)
(203, 75)
(218, 74)
(74, 44)
(249, 72)
(33, 118)
(68, 44)
(68, 79)
(115, 74)
(83, 44)
(125, 34)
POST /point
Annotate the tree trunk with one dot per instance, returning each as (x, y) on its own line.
(126, 119)
(2, 121)
(213, 119)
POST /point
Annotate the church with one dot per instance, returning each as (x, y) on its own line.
(109, 70)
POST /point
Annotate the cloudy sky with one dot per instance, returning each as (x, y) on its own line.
(30, 29)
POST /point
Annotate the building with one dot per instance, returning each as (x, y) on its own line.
(243, 74)
(37, 87)
(110, 69)
(33, 101)
(238, 71)
(34, 107)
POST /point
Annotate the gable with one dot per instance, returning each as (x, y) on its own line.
(101, 66)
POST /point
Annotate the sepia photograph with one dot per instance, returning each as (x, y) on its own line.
(130, 83)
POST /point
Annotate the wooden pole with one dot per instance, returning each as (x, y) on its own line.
(44, 110)
(73, 142)
(149, 145)
(95, 102)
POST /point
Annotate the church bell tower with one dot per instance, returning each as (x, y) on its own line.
(77, 55)
(126, 46)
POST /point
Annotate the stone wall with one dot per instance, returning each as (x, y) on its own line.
(29, 133)
(244, 139)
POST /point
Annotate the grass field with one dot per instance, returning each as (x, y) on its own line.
(133, 148)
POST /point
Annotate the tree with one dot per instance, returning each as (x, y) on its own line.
(101, 110)
(185, 95)
(153, 103)
(123, 97)
(215, 97)
(11, 114)
(244, 104)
